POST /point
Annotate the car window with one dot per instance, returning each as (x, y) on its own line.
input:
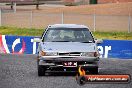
(68, 35)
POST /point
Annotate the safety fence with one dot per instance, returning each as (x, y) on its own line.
(30, 19)
(24, 45)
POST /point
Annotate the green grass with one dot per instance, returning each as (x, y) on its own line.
(20, 31)
(113, 35)
(38, 32)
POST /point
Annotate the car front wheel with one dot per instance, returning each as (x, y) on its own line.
(41, 70)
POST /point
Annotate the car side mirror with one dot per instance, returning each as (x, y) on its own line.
(37, 40)
(98, 41)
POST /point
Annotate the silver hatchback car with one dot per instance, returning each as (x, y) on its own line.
(65, 47)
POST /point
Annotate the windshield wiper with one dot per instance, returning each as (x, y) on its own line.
(87, 42)
(61, 41)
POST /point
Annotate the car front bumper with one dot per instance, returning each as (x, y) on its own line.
(52, 61)
(69, 58)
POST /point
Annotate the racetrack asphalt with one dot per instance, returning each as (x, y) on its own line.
(20, 71)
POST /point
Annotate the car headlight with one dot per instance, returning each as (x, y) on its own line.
(48, 53)
(51, 54)
(90, 54)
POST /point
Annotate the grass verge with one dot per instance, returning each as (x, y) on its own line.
(20, 31)
(38, 32)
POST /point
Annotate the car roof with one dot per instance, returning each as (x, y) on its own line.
(67, 26)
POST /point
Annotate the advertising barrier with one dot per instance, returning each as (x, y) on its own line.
(116, 49)
(24, 45)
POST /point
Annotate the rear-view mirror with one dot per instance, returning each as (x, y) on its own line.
(99, 41)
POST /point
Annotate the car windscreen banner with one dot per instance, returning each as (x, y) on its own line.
(24, 45)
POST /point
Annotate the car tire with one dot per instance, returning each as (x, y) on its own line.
(41, 70)
(93, 70)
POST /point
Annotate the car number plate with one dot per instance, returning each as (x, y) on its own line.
(70, 64)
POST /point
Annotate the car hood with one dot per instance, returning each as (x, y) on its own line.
(68, 47)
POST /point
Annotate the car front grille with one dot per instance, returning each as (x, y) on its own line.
(70, 54)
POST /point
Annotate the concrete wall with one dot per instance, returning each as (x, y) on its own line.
(99, 1)
(113, 1)
(78, 2)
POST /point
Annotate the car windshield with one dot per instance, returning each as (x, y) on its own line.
(68, 35)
